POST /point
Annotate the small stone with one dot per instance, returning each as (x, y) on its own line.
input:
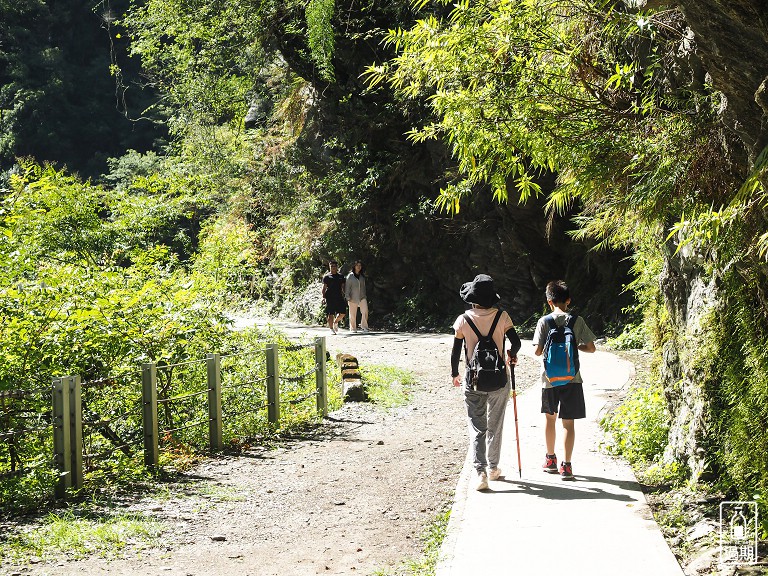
(219, 538)
(339, 503)
(380, 443)
(700, 530)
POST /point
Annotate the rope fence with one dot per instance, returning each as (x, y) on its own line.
(86, 424)
(300, 378)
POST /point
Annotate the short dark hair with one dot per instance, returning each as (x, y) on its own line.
(332, 262)
(557, 292)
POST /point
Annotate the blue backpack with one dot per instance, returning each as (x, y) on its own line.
(561, 351)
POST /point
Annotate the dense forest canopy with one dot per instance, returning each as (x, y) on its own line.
(58, 94)
(235, 147)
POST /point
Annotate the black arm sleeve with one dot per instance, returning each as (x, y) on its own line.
(514, 341)
(455, 355)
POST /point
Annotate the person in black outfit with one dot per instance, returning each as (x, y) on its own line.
(333, 296)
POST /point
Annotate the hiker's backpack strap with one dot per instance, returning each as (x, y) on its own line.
(493, 326)
(571, 322)
(477, 332)
(472, 325)
(549, 319)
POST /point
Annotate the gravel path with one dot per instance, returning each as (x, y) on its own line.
(355, 498)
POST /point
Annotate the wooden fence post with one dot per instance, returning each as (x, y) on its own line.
(322, 386)
(149, 413)
(273, 385)
(213, 362)
(74, 387)
(62, 455)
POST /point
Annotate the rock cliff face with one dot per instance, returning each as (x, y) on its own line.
(513, 244)
(731, 39)
(691, 298)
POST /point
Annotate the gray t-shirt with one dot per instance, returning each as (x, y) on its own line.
(581, 332)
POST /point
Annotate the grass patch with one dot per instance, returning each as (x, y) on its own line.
(387, 386)
(218, 493)
(74, 537)
(433, 539)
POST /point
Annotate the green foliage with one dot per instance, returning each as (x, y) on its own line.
(638, 427)
(633, 337)
(203, 55)
(227, 255)
(738, 387)
(89, 289)
(35, 485)
(521, 87)
(58, 101)
(320, 35)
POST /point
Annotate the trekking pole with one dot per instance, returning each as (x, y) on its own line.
(514, 407)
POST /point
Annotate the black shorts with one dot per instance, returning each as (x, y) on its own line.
(335, 307)
(567, 400)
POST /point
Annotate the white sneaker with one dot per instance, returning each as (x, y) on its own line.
(482, 481)
(495, 474)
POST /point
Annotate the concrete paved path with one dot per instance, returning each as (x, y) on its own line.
(598, 524)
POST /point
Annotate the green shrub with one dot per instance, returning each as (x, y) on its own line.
(633, 337)
(638, 427)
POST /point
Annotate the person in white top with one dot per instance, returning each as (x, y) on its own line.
(356, 297)
(485, 409)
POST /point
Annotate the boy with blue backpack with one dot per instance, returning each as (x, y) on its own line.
(559, 338)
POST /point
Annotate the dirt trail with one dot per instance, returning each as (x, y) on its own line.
(353, 499)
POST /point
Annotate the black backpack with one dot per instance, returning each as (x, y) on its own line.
(485, 369)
